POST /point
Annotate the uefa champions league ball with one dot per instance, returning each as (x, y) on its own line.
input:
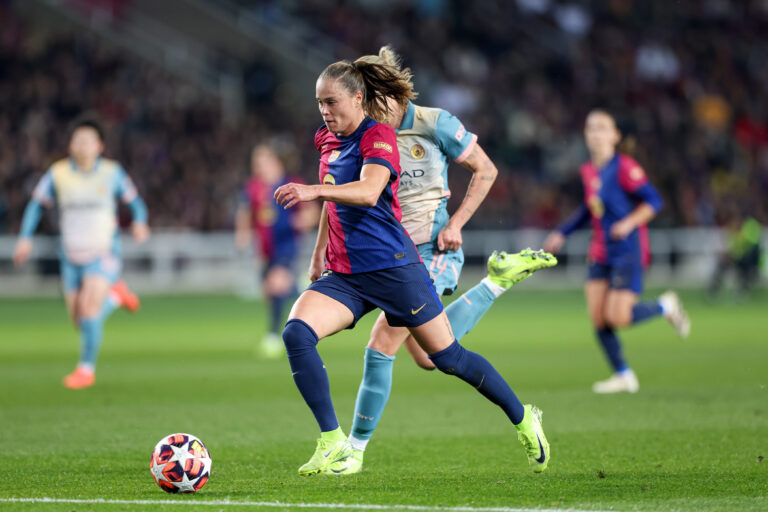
(180, 463)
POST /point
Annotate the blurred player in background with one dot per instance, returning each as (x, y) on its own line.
(86, 188)
(619, 201)
(371, 262)
(742, 252)
(428, 139)
(279, 233)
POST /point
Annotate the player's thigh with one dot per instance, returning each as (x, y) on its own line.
(385, 338)
(596, 293)
(434, 335)
(417, 354)
(93, 292)
(618, 307)
(322, 313)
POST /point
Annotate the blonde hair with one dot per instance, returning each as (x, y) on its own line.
(378, 77)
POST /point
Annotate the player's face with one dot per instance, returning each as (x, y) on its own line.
(342, 111)
(601, 133)
(266, 165)
(85, 144)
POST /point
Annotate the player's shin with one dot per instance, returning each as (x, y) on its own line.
(464, 312)
(91, 331)
(372, 396)
(309, 372)
(477, 371)
(643, 311)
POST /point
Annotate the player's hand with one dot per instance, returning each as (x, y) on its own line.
(316, 269)
(621, 229)
(140, 231)
(449, 238)
(554, 242)
(292, 193)
(22, 251)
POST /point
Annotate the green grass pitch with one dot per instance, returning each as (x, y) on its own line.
(694, 438)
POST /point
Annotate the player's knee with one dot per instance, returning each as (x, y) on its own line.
(617, 318)
(298, 337)
(449, 360)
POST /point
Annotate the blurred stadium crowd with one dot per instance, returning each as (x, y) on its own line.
(685, 79)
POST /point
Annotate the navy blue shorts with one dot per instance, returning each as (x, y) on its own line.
(405, 294)
(623, 276)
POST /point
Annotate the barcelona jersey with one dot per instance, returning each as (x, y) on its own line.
(610, 194)
(272, 224)
(363, 239)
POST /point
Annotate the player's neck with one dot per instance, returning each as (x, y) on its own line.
(397, 118)
(85, 165)
(600, 159)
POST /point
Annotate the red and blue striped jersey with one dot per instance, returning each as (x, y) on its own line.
(278, 240)
(363, 239)
(610, 194)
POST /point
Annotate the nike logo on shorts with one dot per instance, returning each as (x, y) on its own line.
(414, 311)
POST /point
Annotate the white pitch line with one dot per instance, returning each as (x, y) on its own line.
(279, 504)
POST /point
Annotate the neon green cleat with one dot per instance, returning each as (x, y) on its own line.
(327, 452)
(348, 466)
(531, 434)
(271, 347)
(507, 269)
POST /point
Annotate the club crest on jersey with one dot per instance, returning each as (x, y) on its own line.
(334, 155)
(596, 206)
(329, 179)
(417, 151)
(383, 145)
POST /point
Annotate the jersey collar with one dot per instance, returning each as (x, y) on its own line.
(96, 164)
(410, 114)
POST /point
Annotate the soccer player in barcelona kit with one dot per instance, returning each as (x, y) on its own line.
(618, 203)
(428, 139)
(371, 262)
(279, 233)
(86, 188)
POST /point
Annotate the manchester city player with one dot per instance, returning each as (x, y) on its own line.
(86, 188)
(428, 139)
(618, 202)
(370, 260)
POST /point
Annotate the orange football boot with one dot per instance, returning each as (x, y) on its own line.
(127, 298)
(80, 378)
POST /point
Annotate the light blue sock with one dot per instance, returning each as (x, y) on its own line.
(108, 308)
(91, 330)
(467, 310)
(373, 394)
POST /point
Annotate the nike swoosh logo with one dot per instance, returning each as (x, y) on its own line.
(414, 311)
(541, 457)
(327, 454)
(294, 373)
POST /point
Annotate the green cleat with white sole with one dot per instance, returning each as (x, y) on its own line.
(349, 466)
(327, 452)
(506, 269)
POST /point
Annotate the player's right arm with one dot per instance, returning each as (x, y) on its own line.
(556, 238)
(317, 263)
(243, 222)
(43, 196)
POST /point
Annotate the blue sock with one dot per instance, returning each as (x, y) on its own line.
(91, 330)
(108, 308)
(612, 348)
(474, 369)
(277, 304)
(373, 394)
(309, 372)
(467, 310)
(645, 310)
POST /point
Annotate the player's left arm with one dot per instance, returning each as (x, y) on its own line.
(633, 180)
(364, 192)
(484, 173)
(129, 195)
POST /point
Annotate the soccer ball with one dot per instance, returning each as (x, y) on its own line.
(180, 463)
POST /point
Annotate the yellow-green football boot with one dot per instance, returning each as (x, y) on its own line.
(506, 269)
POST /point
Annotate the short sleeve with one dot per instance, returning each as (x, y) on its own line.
(379, 146)
(44, 193)
(631, 175)
(454, 140)
(126, 190)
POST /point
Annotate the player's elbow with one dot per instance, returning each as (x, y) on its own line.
(370, 198)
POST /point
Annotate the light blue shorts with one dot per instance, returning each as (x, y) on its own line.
(72, 275)
(444, 266)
